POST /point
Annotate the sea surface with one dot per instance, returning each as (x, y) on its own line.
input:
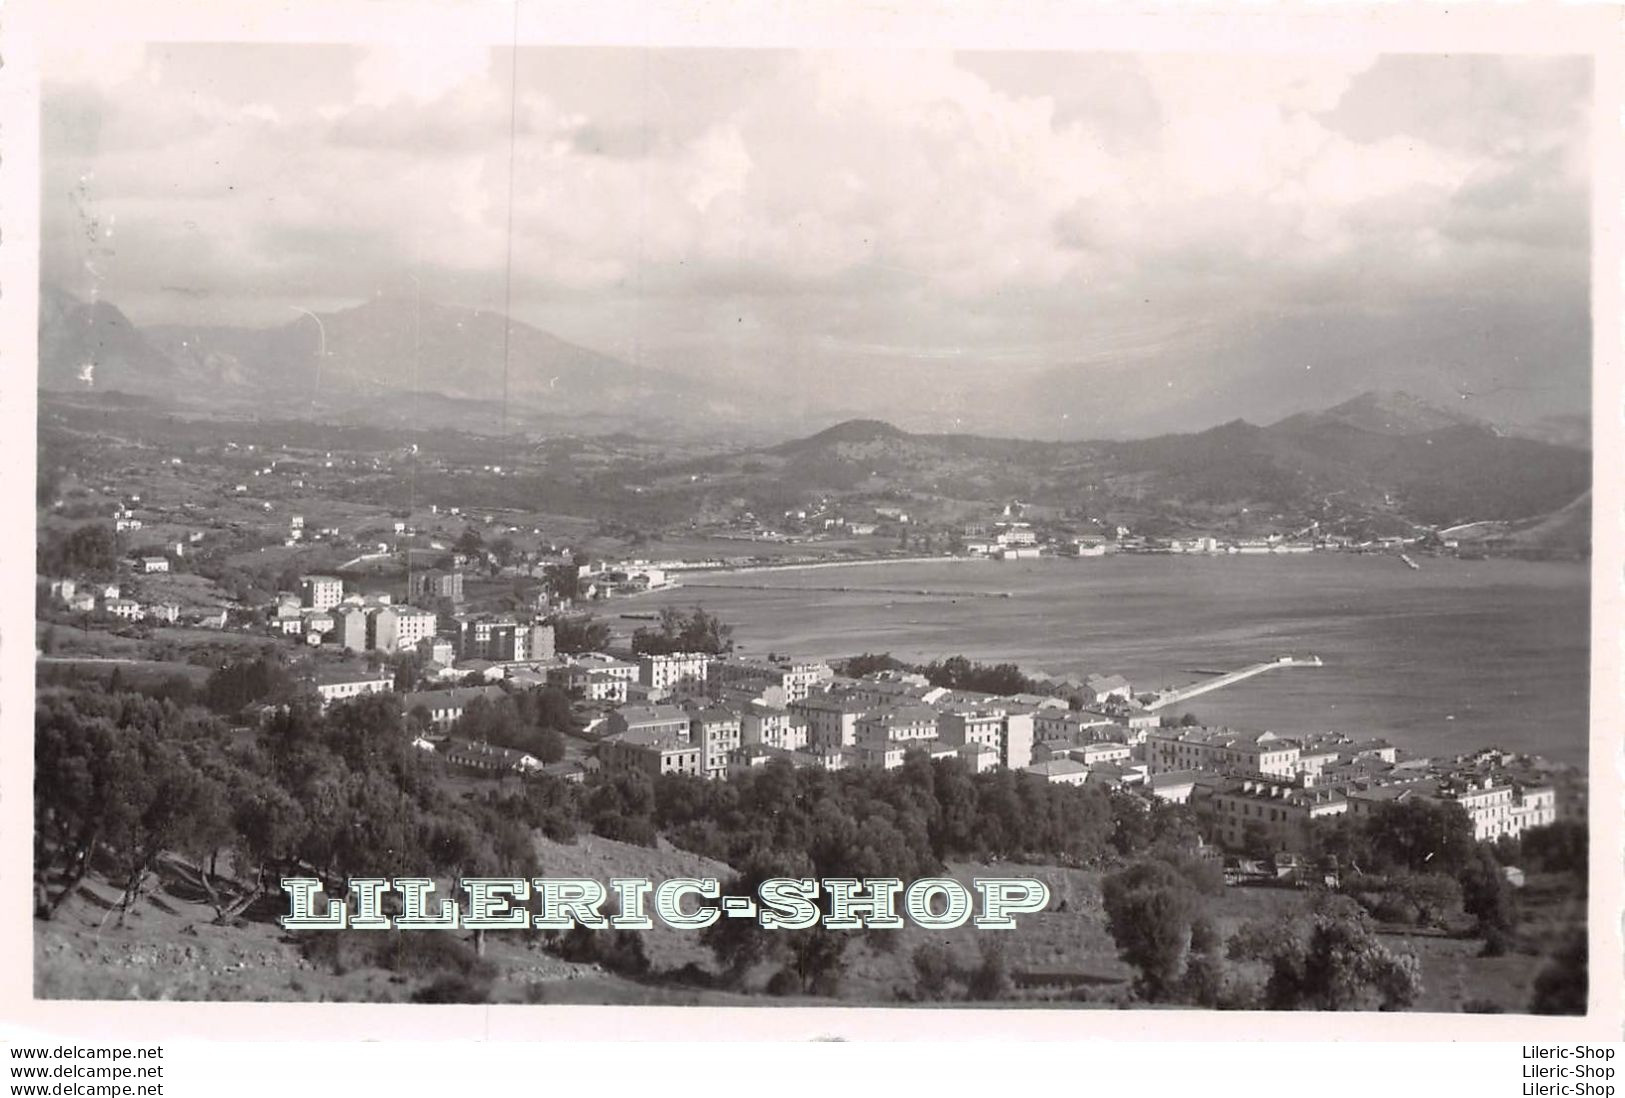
(1455, 656)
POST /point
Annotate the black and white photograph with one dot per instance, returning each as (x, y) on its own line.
(799, 525)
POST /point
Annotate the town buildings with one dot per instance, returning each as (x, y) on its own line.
(444, 707)
(679, 673)
(435, 584)
(398, 628)
(321, 592)
(341, 685)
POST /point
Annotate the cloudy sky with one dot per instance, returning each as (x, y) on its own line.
(872, 226)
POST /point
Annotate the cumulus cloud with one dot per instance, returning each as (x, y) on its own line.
(901, 207)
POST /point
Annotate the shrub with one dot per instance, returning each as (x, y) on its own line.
(454, 989)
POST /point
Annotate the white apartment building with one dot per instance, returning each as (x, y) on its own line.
(321, 592)
(904, 724)
(679, 672)
(771, 726)
(1220, 750)
(795, 678)
(397, 628)
(832, 719)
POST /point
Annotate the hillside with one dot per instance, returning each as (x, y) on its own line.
(388, 361)
(1379, 455)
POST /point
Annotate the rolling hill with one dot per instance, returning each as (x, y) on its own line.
(1386, 454)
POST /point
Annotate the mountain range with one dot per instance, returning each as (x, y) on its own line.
(374, 364)
(1384, 456)
(399, 362)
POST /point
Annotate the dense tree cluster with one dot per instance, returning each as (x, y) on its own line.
(1157, 912)
(90, 550)
(577, 633)
(534, 721)
(953, 673)
(695, 631)
(959, 673)
(123, 781)
(241, 683)
(1417, 861)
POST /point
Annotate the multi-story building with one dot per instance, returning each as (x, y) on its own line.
(438, 650)
(1533, 806)
(128, 609)
(971, 726)
(717, 731)
(1060, 771)
(772, 726)
(1495, 807)
(902, 724)
(609, 665)
(682, 673)
(594, 684)
(1067, 726)
(352, 627)
(498, 639)
(398, 628)
(1221, 751)
(877, 754)
(1016, 739)
(653, 752)
(542, 642)
(321, 592)
(1097, 688)
(795, 678)
(340, 685)
(1093, 754)
(445, 706)
(666, 720)
(979, 757)
(1489, 804)
(890, 689)
(832, 719)
(1281, 812)
(435, 584)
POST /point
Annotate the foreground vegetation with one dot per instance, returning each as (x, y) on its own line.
(143, 797)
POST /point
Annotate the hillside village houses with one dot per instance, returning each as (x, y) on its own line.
(715, 716)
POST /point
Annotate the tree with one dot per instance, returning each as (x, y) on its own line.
(991, 980)
(89, 550)
(470, 542)
(407, 668)
(1421, 836)
(1487, 896)
(935, 972)
(244, 682)
(1561, 847)
(1336, 963)
(581, 633)
(870, 662)
(696, 631)
(741, 944)
(1563, 985)
(1150, 909)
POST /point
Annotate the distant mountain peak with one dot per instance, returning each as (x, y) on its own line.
(1387, 412)
(857, 430)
